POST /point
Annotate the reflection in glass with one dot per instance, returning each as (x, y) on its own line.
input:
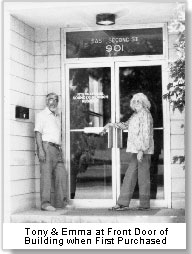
(90, 106)
(145, 79)
(90, 97)
(90, 167)
(113, 43)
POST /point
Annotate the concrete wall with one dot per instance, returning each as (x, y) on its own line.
(22, 145)
(35, 71)
(177, 142)
(47, 77)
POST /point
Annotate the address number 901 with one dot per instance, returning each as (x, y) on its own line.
(115, 48)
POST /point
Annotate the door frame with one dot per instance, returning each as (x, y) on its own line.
(166, 202)
(115, 65)
(131, 61)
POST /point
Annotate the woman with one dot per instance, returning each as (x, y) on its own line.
(140, 146)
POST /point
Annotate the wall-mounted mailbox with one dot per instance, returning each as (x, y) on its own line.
(21, 112)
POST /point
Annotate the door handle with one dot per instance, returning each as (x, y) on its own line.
(119, 138)
(110, 137)
(94, 130)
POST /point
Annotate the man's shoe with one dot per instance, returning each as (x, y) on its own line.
(144, 208)
(48, 208)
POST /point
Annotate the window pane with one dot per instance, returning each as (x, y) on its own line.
(90, 97)
(90, 158)
(112, 43)
(145, 79)
(91, 167)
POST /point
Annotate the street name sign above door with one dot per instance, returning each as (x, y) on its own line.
(113, 43)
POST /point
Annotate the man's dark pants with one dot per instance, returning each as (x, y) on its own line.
(53, 167)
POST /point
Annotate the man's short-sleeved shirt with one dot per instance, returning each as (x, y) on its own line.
(49, 125)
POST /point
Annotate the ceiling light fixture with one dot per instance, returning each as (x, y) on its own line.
(105, 19)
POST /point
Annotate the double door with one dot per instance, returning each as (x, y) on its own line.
(97, 94)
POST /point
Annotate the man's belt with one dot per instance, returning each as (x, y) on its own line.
(55, 145)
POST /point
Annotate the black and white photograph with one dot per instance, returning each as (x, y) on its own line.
(94, 114)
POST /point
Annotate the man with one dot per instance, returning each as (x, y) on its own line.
(48, 138)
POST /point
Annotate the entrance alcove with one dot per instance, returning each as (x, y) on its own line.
(35, 64)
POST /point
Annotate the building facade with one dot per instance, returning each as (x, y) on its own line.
(94, 71)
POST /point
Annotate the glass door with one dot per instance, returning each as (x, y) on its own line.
(90, 159)
(95, 95)
(146, 78)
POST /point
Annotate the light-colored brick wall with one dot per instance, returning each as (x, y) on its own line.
(35, 72)
(177, 141)
(47, 76)
(177, 170)
(22, 88)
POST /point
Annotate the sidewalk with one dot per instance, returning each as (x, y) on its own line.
(69, 215)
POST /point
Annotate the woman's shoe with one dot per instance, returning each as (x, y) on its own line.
(48, 208)
(119, 208)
